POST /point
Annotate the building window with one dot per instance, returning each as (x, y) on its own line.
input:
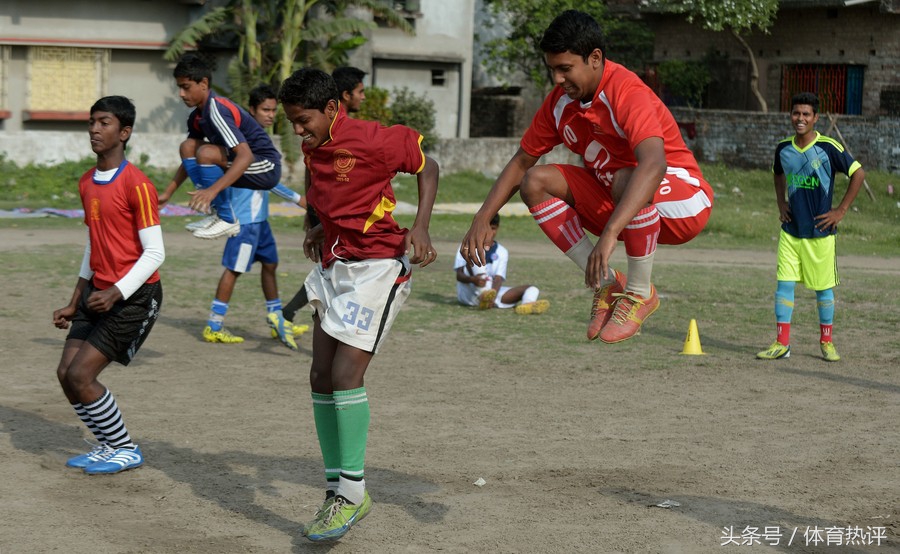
(62, 79)
(839, 87)
(438, 77)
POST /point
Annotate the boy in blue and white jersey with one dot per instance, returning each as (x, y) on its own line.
(805, 166)
(254, 242)
(225, 149)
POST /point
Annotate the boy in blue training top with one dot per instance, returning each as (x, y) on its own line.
(805, 166)
(225, 147)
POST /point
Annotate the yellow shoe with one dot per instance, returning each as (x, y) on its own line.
(296, 330)
(536, 307)
(829, 352)
(486, 299)
(222, 336)
(281, 328)
(776, 351)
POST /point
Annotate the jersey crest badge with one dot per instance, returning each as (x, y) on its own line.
(344, 160)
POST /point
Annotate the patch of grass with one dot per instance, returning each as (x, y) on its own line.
(744, 213)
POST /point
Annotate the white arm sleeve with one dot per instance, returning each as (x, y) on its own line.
(153, 256)
(85, 272)
(286, 193)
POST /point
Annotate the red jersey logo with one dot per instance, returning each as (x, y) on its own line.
(344, 160)
(95, 209)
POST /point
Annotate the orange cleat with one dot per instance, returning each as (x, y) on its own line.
(628, 314)
(602, 304)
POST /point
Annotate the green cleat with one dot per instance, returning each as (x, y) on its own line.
(776, 351)
(829, 352)
(338, 518)
(320, 515)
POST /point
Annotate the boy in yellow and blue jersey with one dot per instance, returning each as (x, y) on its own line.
(805, 166)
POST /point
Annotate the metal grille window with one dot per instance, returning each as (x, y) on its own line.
(66, 79)
(839, 87)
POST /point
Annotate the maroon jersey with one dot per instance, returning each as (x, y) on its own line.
(114, 212)
(351, 191)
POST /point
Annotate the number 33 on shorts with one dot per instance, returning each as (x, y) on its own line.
(357, 315)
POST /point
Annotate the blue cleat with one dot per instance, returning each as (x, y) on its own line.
(99, 453)
(120, 460)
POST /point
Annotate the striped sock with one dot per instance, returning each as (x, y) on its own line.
(559, 222)
(273, 305)
(86, 419)
(108, 419)
(352, 411)
(217, 311)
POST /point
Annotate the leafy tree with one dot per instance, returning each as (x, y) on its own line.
(375, 107)
(416, 112)
(685, 80)
(628, 42)
(407, 108)
(739, 17)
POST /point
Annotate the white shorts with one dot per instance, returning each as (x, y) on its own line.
(357, 302)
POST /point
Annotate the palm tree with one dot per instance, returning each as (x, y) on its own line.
(275, 37)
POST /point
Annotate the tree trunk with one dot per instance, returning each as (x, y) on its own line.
(754, 73)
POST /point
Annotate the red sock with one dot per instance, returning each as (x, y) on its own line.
(641, 234)
(559, 221)
(824, 332)
(784, 333)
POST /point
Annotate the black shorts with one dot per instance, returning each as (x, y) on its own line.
(119, 333)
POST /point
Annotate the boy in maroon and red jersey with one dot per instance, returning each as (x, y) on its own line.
(639, 184)
(118, 294)
(363, 275)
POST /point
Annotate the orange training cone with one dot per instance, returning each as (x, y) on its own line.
(692, 341)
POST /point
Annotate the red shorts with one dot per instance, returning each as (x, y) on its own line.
(683, 201)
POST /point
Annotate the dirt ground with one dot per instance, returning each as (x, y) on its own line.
(574, 459)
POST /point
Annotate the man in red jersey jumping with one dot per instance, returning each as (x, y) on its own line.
(639, 183)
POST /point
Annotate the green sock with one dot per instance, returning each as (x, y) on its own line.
(352, 411)
(327, 429)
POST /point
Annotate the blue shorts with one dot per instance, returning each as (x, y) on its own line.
(255, 243)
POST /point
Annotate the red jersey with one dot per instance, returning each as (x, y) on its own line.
(605, 132)
(351, 191)
(114, 213)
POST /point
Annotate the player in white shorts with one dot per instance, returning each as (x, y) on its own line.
(357, 302)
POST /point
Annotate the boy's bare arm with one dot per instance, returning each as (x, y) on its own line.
(828, 221)
(418, 237)
(177, 180)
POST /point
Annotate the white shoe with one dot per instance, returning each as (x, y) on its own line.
(219, 228)
(201, 223)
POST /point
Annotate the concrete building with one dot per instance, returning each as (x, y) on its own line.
(58, 56)
(847, 51)
(436, 62)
